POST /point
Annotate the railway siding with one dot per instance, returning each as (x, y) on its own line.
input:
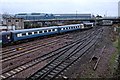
(69, 58)
(20, 70)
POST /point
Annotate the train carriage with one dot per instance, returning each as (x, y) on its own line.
(68, 28)
(18, 35)
(6, 37)
(107, 23)
(32, 33)
(88, 25)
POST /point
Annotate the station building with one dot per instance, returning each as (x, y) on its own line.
(13, 23)
(41, 16)
(34, 16)
(73, 16)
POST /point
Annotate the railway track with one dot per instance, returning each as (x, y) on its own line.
(10, 63)
(13, 54)
(7, 74)
(11, 48)
(29, 44)
(59, 64)
(22, 47)
(30, 47)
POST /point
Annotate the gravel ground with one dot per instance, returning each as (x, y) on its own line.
(84, 68)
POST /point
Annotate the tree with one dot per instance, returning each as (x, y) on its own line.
(98, 16)
(6, 15)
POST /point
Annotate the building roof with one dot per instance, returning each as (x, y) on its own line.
(72, 14)
(13, 18)
(33, 29)
(43, 14)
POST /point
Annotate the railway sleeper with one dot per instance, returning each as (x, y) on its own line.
(58, 68)
(46, 78)
(56, 61)
(53, 65)
(52, 73)
(61, 66)
(44, 71)
(64, 64)
(55, 71)
(40, 73)
(37, 75)
(50, 66)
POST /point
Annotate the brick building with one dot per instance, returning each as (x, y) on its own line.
(18, 23)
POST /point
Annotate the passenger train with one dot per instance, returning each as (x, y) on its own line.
(107, 22)
(18, 35)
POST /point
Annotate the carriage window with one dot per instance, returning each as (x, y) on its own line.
(55, 29)
(19, 35)
(49, 30)
(35, 32)
(29, 33)
(32, 32)
(23, 34)
(45, 31)
(40, 31)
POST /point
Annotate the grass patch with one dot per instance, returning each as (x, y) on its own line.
(0, 45)
(118, 30)
(119, 45)
(114, 57)
(114, 62)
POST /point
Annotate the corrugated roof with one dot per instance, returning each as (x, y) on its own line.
(33, 29)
